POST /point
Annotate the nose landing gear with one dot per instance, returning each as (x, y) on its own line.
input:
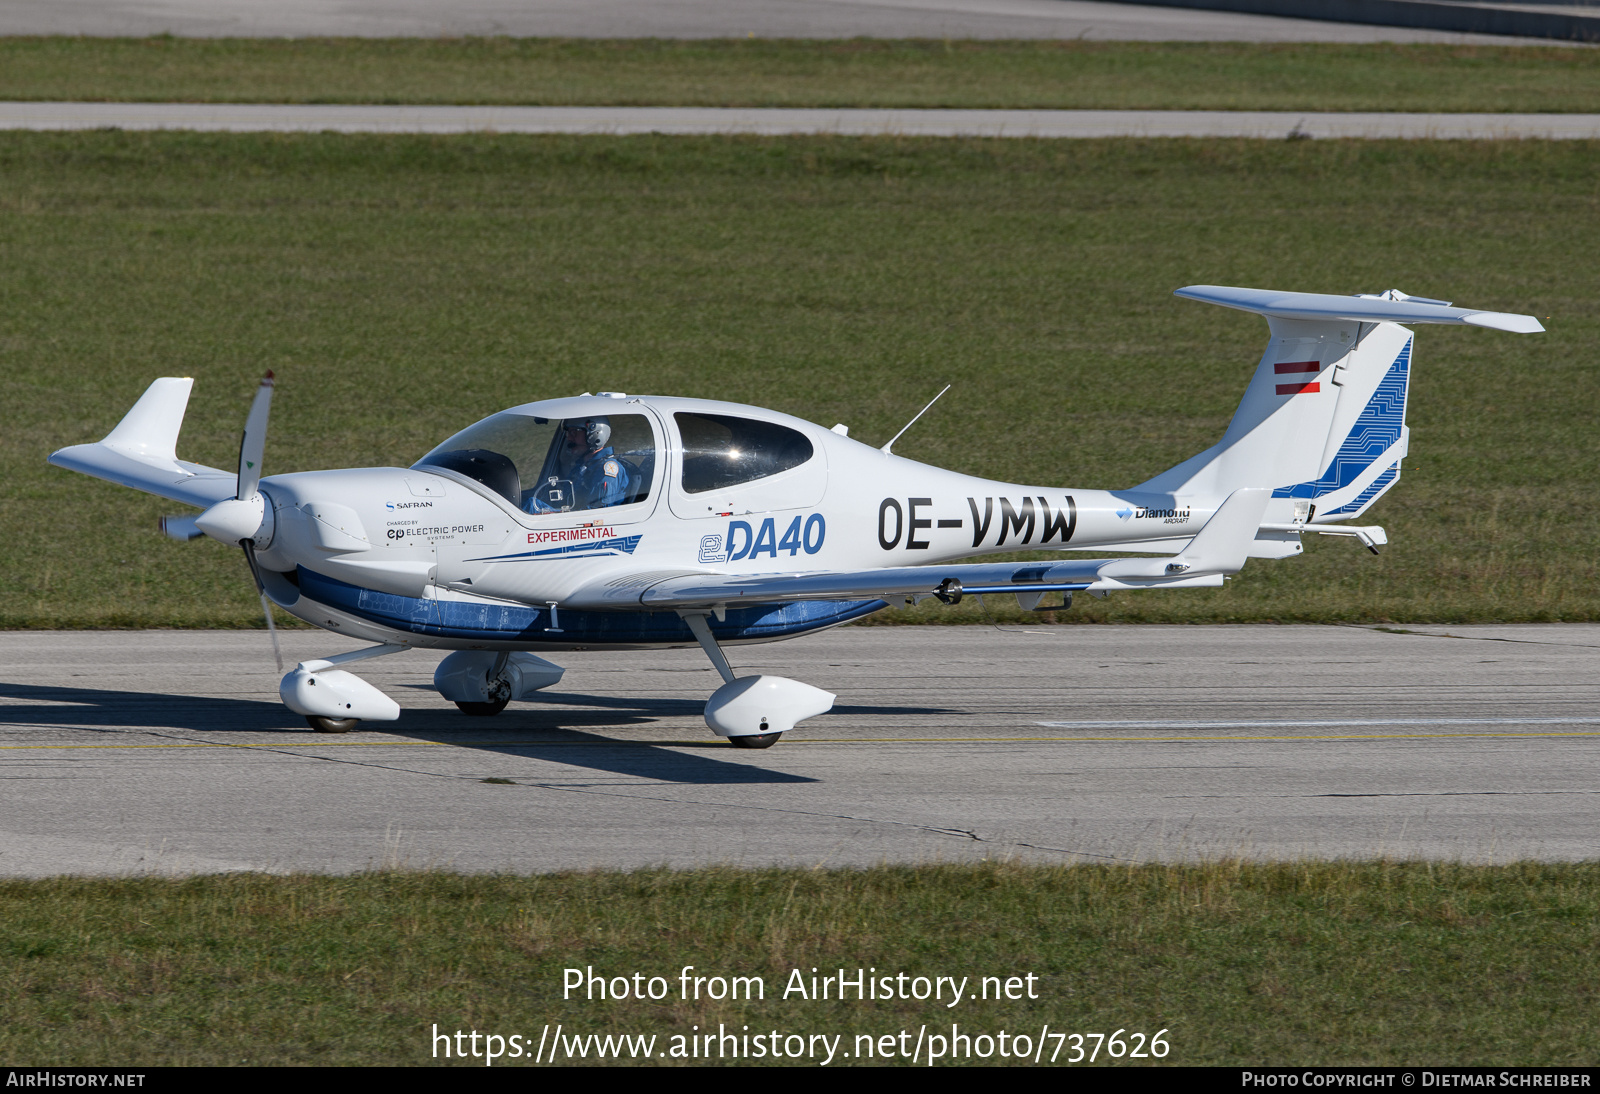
(481, 682)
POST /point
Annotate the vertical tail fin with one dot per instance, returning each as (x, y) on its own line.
(1323, 420)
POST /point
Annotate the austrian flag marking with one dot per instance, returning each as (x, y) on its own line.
(1289, 368)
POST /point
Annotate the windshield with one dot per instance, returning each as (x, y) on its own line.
(555, 465)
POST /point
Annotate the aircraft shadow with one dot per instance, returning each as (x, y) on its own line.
(658, 708)
(575, 748)
(104, 710)
(96, 709)
(538, 712)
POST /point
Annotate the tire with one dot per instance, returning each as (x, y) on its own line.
(755, 740)
(331, 725)
(484, 710)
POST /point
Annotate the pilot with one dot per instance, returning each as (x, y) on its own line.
(599, 478)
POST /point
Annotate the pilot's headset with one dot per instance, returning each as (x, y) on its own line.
(597, 433)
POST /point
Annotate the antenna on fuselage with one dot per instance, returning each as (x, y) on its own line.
(913, 421)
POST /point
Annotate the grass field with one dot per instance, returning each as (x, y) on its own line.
(1309, 963)
(403, 287)
(860, 72)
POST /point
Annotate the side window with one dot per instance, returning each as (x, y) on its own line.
(721, 451)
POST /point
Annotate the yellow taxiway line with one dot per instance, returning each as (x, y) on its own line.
(806, 741)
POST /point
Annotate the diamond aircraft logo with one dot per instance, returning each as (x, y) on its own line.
(1125, 514)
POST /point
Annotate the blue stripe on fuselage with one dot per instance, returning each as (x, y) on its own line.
(514, 622)
(617, 545)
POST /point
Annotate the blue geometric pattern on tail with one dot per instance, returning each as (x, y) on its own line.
(1374, 433)
(1374, 488)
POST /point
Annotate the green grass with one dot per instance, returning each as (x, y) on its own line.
(404, 287)
(1304, 963)
(859, 72)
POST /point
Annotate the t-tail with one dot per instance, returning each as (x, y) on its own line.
(1323, 422)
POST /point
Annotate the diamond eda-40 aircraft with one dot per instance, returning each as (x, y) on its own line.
(643, 522)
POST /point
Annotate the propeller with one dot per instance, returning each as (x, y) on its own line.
(254, 441)
(242, 518)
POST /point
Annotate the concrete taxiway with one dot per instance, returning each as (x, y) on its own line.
(696, 121)
(125, 752)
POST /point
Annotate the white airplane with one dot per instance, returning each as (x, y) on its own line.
(617, 521)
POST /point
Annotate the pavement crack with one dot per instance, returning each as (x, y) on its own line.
(959, 833)
(1479, 638)
(781, 810)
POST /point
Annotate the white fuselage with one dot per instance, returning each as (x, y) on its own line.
(432, 557)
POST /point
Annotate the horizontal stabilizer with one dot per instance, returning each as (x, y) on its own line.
(1392, 307)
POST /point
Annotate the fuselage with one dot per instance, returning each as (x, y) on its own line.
(464, 550)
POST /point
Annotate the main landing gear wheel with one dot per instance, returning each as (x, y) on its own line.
(755, 740)
(484, 710)
(331, 725)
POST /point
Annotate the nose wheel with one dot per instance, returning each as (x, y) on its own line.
(331, 725)
(755, 740)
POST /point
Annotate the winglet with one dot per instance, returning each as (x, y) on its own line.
(142, 451)
(1223, 545)
(150, 430)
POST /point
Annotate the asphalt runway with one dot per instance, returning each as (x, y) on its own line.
(1048, 124)
(685, 19)
(167, 751)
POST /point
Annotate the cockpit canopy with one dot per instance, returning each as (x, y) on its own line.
(555, 465)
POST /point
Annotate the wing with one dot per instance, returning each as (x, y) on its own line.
(1219, 549)
(142, 451)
